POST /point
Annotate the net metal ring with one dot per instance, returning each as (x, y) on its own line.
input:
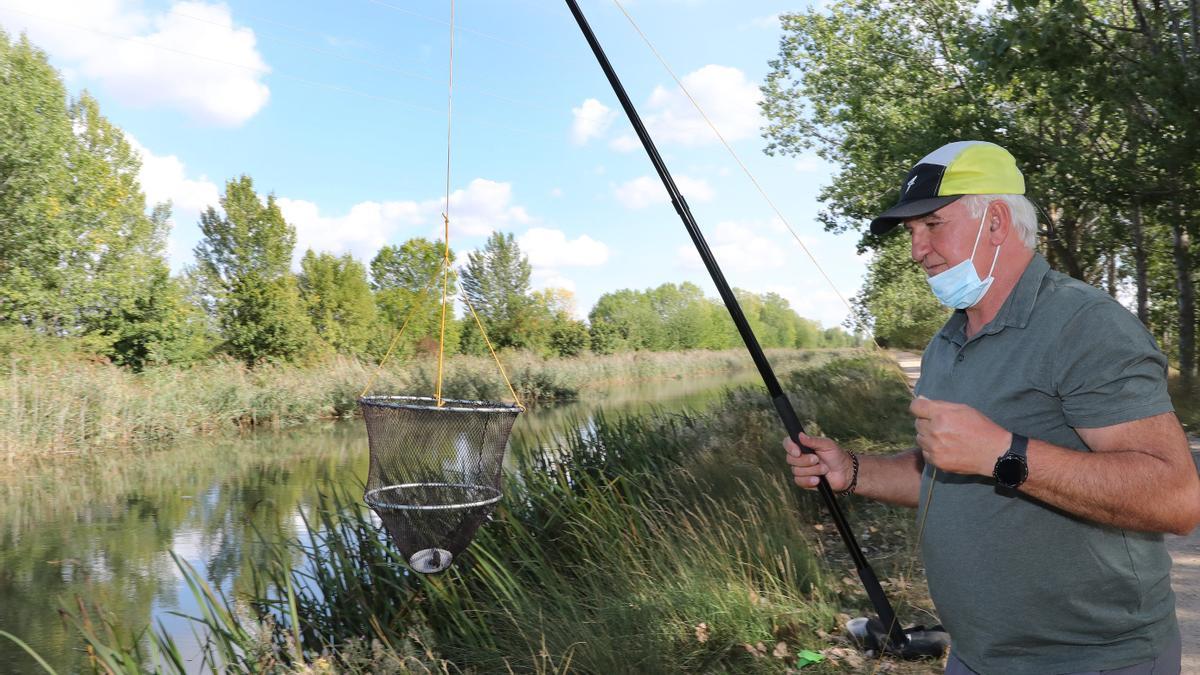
(373, 503)
(422, 403)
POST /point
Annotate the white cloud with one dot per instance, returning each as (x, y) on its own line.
(813, 301)
(727, 97)
(193, 58)
(551, 248)
(545, 278)
(645, 191)
(361, 232)
(483, 206)
(165, 178)
(592, 119)
(556, 192)
(738, 248)
(624, 143)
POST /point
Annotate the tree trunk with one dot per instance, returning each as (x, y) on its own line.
(1187, 300)
(1139, 262)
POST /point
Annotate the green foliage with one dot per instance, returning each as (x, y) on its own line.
(1098, 100)
(496, 281)
(408, 285)
(339, 300)
(860, 397)
(244, 260)
(675, 317)
(78, 254)
(895, 300)
(569, 338)
(35, 230)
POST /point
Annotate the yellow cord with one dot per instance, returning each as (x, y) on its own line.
(493, 351)
(446, 213)
(418, 303)
(445, 304)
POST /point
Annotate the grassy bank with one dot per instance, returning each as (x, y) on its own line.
(656, 544)
(66, 403)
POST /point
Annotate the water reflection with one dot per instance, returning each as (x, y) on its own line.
(102, 528)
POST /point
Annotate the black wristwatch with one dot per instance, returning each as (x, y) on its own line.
(1012, 469)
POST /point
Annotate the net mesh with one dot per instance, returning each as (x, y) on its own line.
(435, 471)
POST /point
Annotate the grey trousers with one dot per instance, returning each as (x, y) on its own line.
(1166, 663)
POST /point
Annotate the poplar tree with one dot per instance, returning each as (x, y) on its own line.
(244, 258)
(496, 281)
(339, 300)
(408, 286)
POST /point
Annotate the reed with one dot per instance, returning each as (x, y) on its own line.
(68, 403)
(655, 544)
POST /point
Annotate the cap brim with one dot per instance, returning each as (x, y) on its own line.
(919, 207)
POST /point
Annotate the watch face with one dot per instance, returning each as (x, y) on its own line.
(1011, 470)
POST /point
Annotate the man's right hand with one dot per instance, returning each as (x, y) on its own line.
(829, 460)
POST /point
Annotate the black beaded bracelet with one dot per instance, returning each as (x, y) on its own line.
(853, 477)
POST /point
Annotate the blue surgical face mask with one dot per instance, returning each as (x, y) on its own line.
(960, 286)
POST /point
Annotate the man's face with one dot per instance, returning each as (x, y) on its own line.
(943, 239)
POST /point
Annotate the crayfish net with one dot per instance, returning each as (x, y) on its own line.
(435, 471)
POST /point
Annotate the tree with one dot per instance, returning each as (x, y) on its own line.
(155, 325)
(557, 332)
(35, 233)
(244, 258)
(339, 300)
(1099, 100)
(78, 253)
(496, 281)
(895, 301)
(408, 286)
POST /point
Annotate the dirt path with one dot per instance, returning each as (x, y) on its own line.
(1185, 551)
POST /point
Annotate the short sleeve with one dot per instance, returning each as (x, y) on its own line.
(1109, 369)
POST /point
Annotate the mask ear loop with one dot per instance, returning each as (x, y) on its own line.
(978, 236)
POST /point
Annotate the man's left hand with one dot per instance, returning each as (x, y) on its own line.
(957, 438)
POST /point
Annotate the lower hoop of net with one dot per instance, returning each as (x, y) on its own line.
(406, 497)
(430, 498)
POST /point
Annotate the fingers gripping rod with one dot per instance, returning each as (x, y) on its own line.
(787, 414)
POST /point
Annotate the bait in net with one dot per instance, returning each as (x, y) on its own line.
(435, 471)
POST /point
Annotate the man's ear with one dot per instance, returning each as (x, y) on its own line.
(999, 222)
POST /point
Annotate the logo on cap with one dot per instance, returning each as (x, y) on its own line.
(910, 184)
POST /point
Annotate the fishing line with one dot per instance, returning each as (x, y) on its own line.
(933, 480)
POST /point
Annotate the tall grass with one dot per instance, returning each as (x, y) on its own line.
(71, 404)
(655, 544)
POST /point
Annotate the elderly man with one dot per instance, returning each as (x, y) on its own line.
(1044, 426)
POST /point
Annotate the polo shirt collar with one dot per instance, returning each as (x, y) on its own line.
(1016, 308)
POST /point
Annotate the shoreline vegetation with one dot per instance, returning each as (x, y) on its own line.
(56, 404)
(655, 543)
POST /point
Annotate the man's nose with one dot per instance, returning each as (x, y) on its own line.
(920, 245)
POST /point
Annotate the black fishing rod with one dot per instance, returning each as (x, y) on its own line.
(890, 636)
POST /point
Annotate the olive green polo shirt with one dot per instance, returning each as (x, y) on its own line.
(1020, 586)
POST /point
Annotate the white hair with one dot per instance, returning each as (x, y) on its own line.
(1024, 217)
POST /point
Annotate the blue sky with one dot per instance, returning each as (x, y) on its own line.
(339, 109)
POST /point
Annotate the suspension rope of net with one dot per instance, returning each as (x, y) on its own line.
(446, 266)
(446, 211)
(783, 219)
(418, 303)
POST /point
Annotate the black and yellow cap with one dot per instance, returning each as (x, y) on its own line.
(951, 171)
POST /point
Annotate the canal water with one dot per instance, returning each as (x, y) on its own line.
(101, 530)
